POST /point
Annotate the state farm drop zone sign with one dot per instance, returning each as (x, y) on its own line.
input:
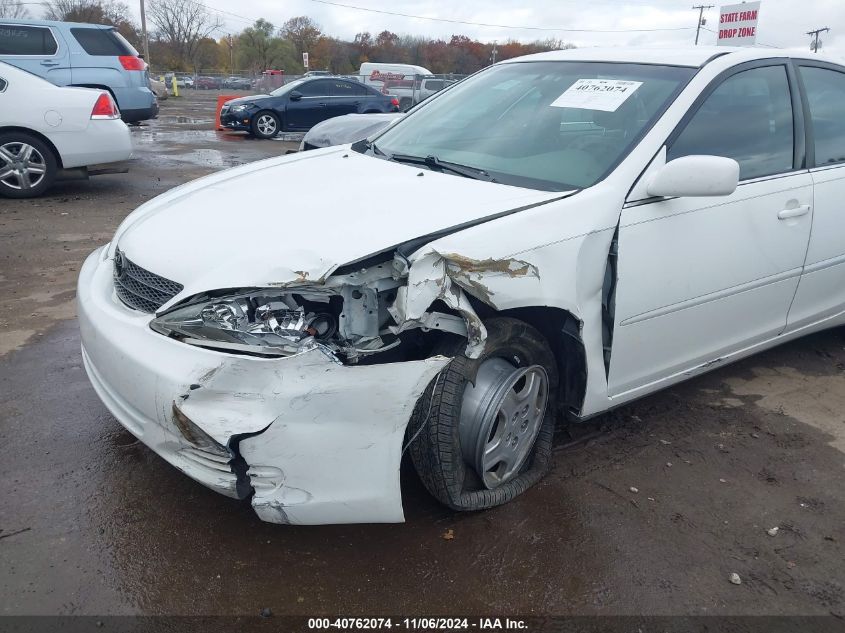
(738, 24)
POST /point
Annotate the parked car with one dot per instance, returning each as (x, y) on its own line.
(208, 83)
(85, 55)
(348, 128)
(301, 104)
(48, 131)
(159, 88)
(237, 83)
(598, 225)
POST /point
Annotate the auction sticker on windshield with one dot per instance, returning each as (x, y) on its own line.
(597, 94)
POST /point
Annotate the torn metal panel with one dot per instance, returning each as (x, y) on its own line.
(558, 262)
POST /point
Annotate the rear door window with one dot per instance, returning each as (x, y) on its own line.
(102, 42)
(826, 96)
(315, 88)
(26, 40)
(748, 117)
(342, 89)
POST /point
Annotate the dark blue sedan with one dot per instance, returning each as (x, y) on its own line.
(301, 104)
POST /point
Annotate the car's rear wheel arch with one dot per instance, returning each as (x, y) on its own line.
(40, 137)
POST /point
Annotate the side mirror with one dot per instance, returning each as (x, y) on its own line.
(295, 95)
(695, 176)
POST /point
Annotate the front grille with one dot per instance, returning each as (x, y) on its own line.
(139, 288)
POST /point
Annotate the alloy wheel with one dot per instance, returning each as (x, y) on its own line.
(21, 166)
(266, 124)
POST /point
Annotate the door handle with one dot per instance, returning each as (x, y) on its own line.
(322, 105)
(798, 211)
(48, 63)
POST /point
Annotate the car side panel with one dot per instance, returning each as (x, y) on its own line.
(821, 292)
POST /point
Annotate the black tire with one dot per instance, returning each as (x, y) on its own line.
(256, 124)
(436, 450)
(11, 186)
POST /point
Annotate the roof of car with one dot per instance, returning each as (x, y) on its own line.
(692, 56)
(35, 22)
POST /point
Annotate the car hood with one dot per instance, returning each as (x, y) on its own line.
(248, 99)
(349, 128)
(294, 219)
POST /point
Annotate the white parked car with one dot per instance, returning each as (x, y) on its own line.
(48, 131)
(600, 224)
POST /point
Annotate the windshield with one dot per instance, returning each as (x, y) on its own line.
(553, 126)
(278, 92)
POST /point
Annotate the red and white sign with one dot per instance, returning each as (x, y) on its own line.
(377, 75)
(738, 24)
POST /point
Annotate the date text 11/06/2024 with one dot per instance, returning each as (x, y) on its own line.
(413, 624)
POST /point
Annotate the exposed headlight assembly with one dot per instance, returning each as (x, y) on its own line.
(255, 322)
(240, 108)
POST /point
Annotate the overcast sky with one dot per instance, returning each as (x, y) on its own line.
(782, 23)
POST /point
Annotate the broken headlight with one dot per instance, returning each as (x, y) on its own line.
(256, 322)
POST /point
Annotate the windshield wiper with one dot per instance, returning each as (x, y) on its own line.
(432, 162)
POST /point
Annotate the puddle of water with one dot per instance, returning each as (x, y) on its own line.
(184, 119)
(814, 400)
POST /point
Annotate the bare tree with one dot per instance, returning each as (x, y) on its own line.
(182, 24)
(13, 9)
(95, 11)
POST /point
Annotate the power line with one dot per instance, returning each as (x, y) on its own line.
(497, 26)
(701, 8)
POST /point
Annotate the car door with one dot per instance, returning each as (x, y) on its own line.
(821, 292)
(344, 98)
(40, 50)
(312, 107)
(699, 278)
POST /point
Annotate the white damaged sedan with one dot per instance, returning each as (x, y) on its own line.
(553, 237)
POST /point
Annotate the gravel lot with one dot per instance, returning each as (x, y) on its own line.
(649, 509)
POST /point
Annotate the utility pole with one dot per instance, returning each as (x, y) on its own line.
(144, 34)
(701, 21)
(494, 52)
(814, 45)
(231, 53)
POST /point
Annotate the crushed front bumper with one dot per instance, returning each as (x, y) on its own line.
(235, 120)
(321, 441)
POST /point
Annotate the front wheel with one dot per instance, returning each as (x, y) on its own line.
(483, 429)
(266, 124)
(27, 165)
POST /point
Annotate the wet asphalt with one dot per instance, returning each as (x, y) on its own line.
(648, 509)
